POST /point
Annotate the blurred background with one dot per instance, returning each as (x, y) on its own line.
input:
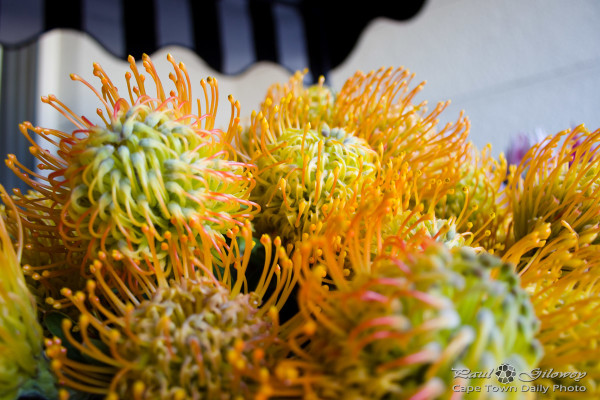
(517, 67)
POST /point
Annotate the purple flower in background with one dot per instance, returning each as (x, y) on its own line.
(522, 143)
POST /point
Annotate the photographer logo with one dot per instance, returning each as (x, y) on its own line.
(510, 380)
(506, 373)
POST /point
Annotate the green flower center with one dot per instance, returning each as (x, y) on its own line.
(306, 175)
(147, 175)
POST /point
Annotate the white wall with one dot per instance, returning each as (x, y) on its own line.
(512, 65)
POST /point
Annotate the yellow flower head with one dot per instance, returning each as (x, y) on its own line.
(378, 106)
(400, 216)
(557, 182)
(154, 179)
(312, 104)
(568, 310)
(194, 337)
(554, 197)
(44, 252)
(20, 333)
(393, 324)
(304, 175)
(476, 201)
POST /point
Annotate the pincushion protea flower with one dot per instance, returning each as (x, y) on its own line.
(304, 174)
(21, 357)
(562, 277)
(184, 342)
(150, 181)
(394, 324)
(560, 184)
(554, 197)
(312, 104)
(568, 311)
(197, 337)
(44, 254)
(378, 106)
(402, 217)
(476, 202)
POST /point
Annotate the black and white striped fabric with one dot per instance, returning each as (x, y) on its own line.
(229, 35)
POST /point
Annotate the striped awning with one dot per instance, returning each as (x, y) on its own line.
(229, 35)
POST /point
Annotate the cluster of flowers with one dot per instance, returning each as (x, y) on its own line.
(336, 246)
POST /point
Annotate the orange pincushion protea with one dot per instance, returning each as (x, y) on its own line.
(193, 337)
(303, 175)
(394, 322)
(378, 107)
(21, 358)
(313, 104)
(554, 195)
(477, 203)
(560, 184)
(154, 180)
